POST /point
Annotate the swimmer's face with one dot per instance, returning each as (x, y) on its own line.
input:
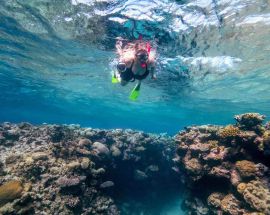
(142, 56)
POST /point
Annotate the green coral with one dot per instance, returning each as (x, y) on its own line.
(246, 168)
(10, 191)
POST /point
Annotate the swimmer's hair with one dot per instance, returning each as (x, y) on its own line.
(128, 52)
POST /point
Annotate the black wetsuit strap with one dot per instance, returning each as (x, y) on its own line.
(131, 65)
(133, 77)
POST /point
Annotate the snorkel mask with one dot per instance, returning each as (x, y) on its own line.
(142, 56)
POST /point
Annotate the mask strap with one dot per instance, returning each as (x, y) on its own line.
(148, 47)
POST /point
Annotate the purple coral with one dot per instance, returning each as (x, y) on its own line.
(70, 185)
(65, 182)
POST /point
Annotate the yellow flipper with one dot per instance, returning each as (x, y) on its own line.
(135, 92)
(115, 79)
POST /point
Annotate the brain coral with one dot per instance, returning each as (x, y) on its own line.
(246, 168)
(257, 195)
(10, 191)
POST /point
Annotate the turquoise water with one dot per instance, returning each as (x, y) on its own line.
(56, 62)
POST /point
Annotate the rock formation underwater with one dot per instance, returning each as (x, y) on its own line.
(66, 169)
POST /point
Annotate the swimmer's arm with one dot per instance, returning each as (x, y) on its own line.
(119, 45)
(152, 71)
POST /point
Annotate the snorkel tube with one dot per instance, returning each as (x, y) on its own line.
(148, 49)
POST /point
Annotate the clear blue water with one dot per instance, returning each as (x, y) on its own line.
(52, 75)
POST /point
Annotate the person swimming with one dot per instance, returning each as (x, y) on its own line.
(136, 61)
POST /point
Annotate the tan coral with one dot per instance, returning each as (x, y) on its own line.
(254, 213)
(231, 205)
(214, 199)
(241, 187)
(219, 172)
(266, 140)
(199, 147)
(10, 191)
(217, 154)
(249, 120)
(246, 168)
(193, 165)
(213, 144)
(257, 195)
(229, 131)
(235, 177)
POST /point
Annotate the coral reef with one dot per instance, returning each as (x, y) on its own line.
(53, 169)
(229, 204)
(226, 168)
(246, 168)
(265, 145)
(257, 195)
(10, 191)
(229, 131)
(249, 121)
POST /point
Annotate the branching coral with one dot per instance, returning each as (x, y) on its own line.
(231, 205)
(213, 144)
(246, 168)
(249, 120)
(72, 202)
(229, 131)
(214, 199)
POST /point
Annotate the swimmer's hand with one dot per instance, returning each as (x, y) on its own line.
(154, 77)
(121, 67)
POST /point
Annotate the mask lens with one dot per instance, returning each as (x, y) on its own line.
(121, 66)
(142, 56)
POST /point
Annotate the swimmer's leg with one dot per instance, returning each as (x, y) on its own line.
(135, 92)
(123, 82)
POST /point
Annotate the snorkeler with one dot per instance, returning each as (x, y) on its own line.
(136, 62)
